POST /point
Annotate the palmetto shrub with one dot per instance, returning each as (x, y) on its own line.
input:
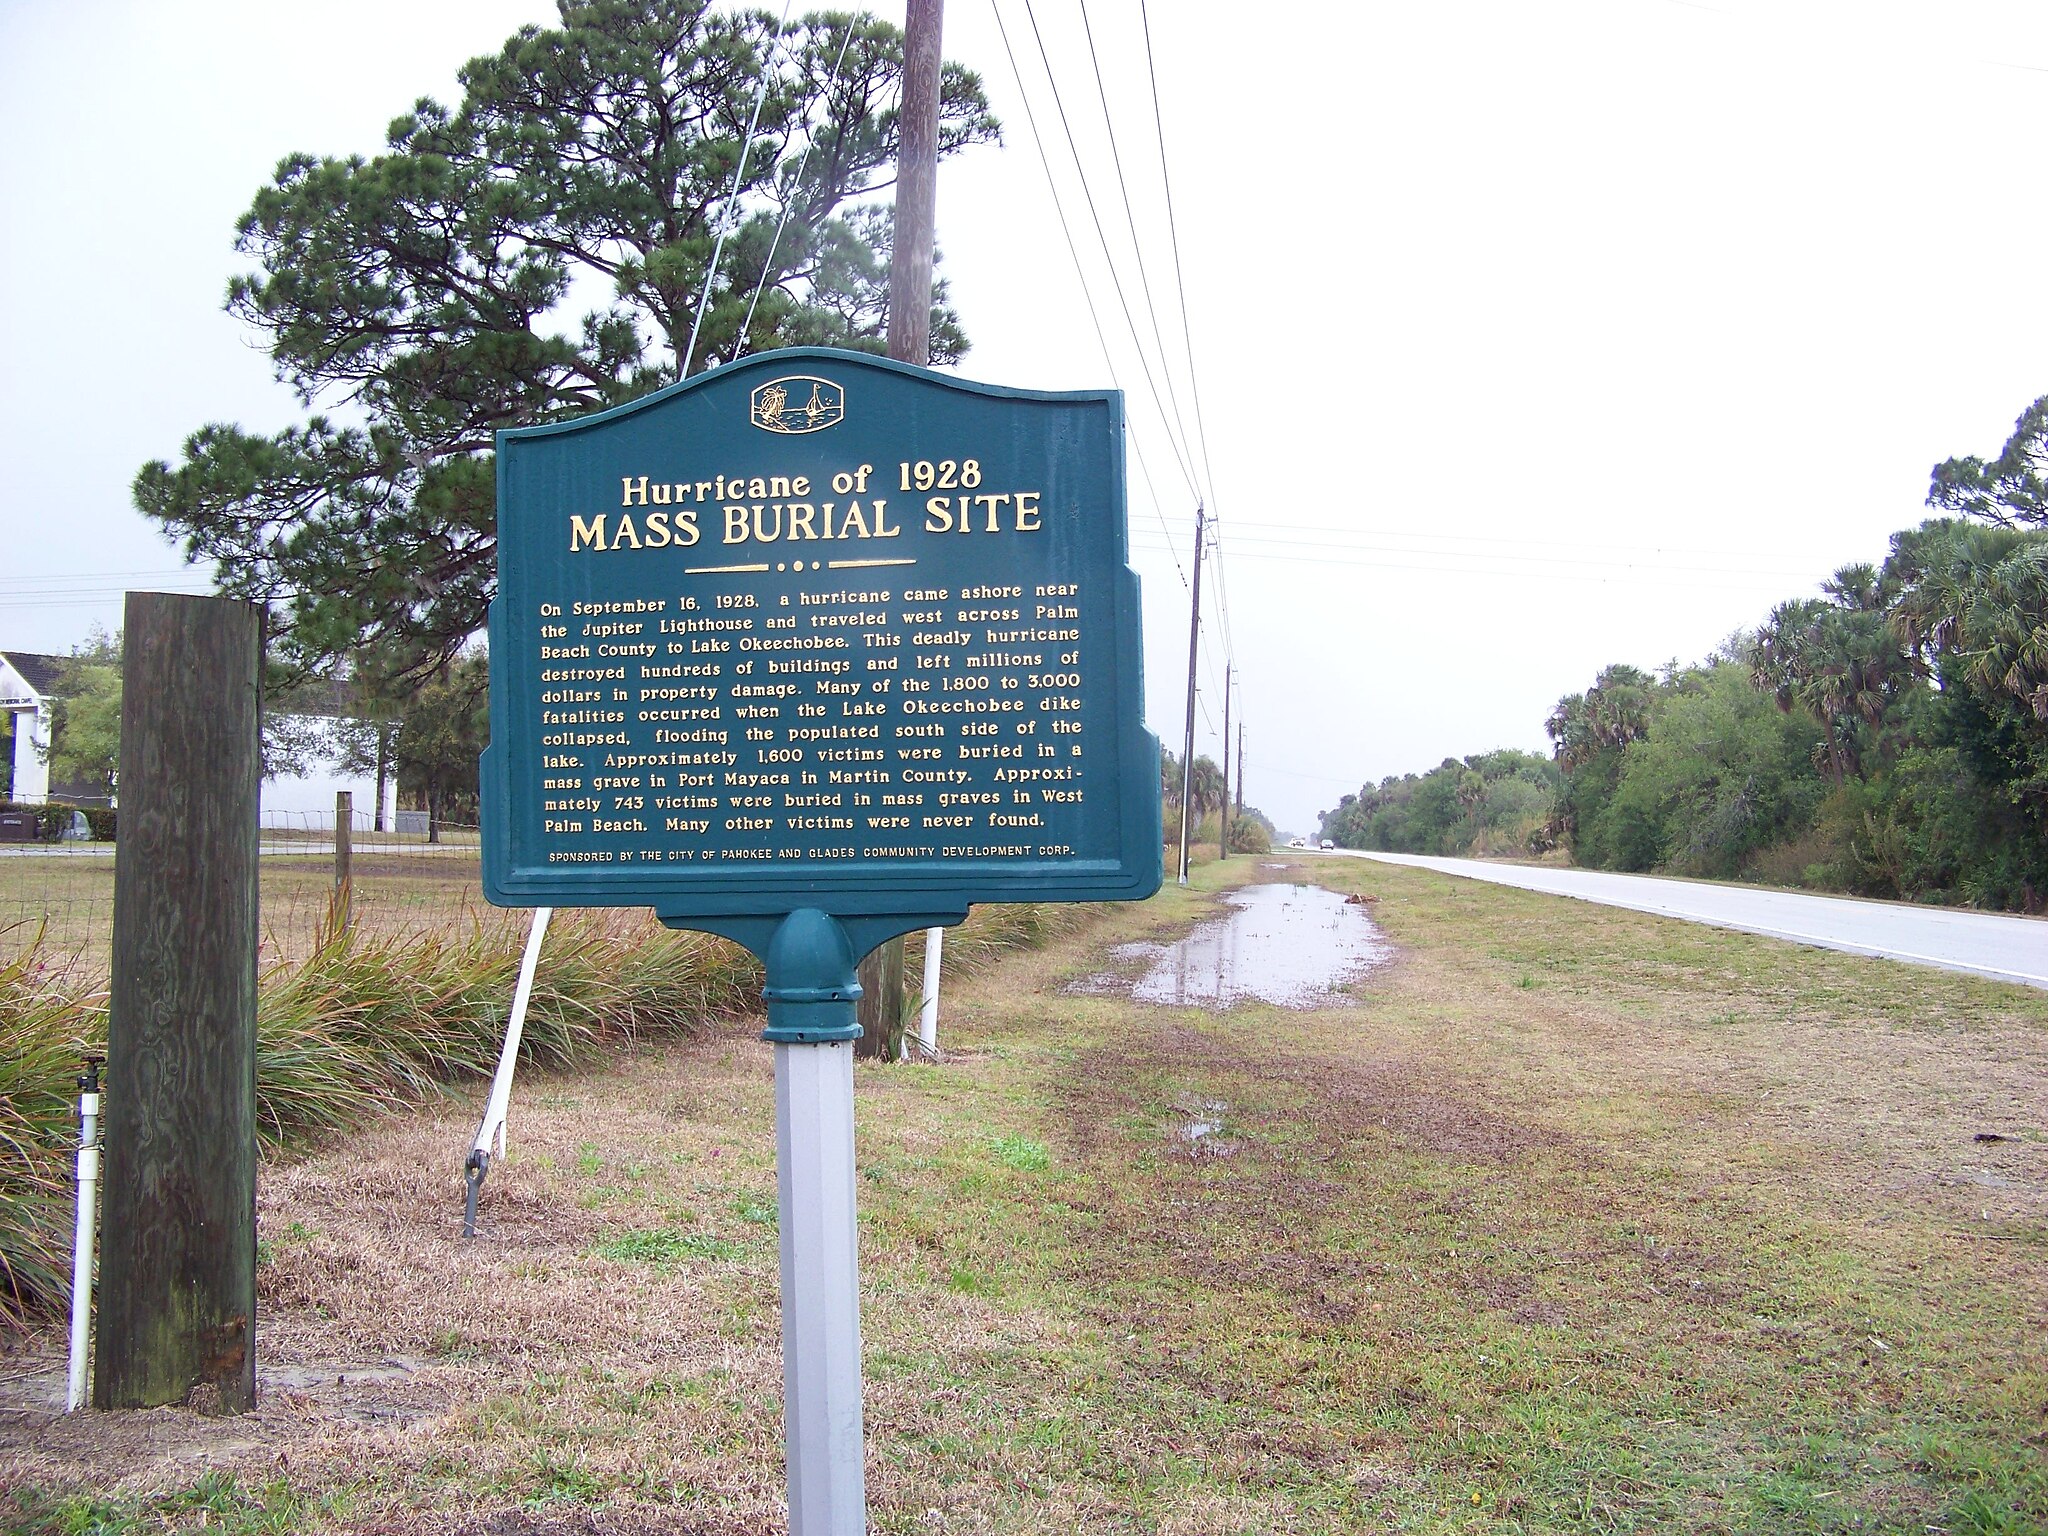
(46, 1020)
(363, 1026)
(359, 1027)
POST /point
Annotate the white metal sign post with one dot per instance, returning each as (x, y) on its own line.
(928, 1014)
(821, 1417)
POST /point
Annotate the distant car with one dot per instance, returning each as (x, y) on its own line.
(1328, 844)
(1297, 842)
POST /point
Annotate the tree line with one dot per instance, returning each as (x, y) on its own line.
(425, 741)
(1251, 830)
(589, 222)
(1888, 737)
(1491, 803)
(651, 188)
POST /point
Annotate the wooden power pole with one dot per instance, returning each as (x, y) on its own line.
(917, 185)
(1240, 767)
(177, 1306)
(341, 912)
(910, 340)
(1187, 751)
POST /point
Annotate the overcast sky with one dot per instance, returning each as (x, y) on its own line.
(1527, 336)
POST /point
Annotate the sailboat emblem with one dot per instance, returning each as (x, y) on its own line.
(798, 403)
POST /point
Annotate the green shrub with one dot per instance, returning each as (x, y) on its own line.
(1248, 836)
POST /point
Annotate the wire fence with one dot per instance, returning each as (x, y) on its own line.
(405, 878)
(403, 834)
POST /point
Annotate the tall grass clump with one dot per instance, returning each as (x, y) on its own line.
(47, 1019)
(361, 1026)
(991, 932)
(357, 1028)
(367, 1024)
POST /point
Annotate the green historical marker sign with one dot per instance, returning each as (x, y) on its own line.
(811, 651)
(818, 631)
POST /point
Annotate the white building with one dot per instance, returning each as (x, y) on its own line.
(28, 682)
(307, 799)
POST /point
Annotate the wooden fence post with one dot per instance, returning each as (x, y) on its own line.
(342, 908)
(178, 1268)
(880, 1009)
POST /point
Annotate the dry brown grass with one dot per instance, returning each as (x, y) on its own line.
(1575, 1219)
(68, 899)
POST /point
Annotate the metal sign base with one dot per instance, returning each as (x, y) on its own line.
(821, 1380)
(810, 957)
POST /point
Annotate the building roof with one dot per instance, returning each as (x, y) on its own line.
(40, 672)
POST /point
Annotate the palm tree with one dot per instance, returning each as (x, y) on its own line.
(1836, 657)
(1979, 595)
(1205, 785)
(1608, 716)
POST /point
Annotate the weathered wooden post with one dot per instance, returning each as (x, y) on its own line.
(178, 1266)
(342, 909)
(880, 1009)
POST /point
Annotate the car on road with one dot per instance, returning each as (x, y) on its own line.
(1327, 843)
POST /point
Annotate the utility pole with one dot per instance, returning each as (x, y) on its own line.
(910, 341)
(917, 186)
(1187, 751)
(1223, 811)
(1240, 768)
(341, 906)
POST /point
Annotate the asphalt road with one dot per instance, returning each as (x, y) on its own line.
(1982, 943)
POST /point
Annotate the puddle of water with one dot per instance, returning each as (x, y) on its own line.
(1290, 945)
(1202, 1132)
(1125, 958)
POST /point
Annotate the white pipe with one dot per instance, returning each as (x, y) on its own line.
(500, 1101)
(83, 1240)
(821, 1413)
(928, 1019)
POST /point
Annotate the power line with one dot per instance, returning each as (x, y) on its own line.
(1488, 539)
(1308, 549)
(728, 215)
(86, 599)
(43, 582)
(1223, 593)
(796, 185)
(1169, 415)
(1153, 492)
(1115, 278)
(1626, 574)
(1081, 275)
(1296, 773)
(1131, 222)
(1173, 230)
(1137, 247)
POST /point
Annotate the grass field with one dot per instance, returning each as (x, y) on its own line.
(70, 898)
(1571, 1220)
